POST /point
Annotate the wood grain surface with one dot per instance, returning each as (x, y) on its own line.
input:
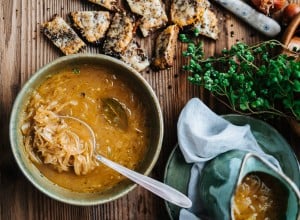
(23, 50)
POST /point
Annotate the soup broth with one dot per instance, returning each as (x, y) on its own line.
(80, 93)
(259, 197)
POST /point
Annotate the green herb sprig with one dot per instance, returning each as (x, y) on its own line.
(76, 70)
(252, 79)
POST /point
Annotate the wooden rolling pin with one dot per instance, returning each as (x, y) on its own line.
(257, 20)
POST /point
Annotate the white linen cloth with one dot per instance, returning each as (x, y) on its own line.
(202, 135)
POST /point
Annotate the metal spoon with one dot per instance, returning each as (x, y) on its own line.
(158, 188)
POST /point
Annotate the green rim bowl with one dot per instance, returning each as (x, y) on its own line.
(51, 189)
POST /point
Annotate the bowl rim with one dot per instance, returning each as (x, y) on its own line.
(18, 102)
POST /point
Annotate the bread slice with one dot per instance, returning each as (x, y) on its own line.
(62, 35)
(152, 12)
(165, 48)
(91, 24)
(195, 14)
(187, 12)
(108, 4)
(119, 34)
(135, 56)
(208, 25)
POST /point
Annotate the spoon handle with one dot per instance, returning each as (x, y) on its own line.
(259, 21)
(160, 189)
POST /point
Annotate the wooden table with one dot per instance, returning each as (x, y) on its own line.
(23, 49)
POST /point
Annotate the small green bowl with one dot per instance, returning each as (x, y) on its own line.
(222, 175)
(30, 170)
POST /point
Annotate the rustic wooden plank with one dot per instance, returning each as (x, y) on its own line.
(23, 50)
(10, 84)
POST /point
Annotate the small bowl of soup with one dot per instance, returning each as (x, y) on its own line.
(57, 155)
(242, 185)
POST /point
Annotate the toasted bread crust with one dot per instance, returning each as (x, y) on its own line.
(119, 34)
(62, 35)
(108, 4)
(152, 12)
(135, 56)
(91, 24)
(165, 48)
(208, 25)
(187, 12)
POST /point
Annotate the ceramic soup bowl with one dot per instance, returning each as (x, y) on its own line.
(116, 69)
(221, 177)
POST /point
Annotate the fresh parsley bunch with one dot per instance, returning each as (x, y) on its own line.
(251, 78)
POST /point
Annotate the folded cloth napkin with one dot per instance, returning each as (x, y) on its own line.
(202, 135)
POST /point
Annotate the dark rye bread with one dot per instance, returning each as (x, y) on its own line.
(92, 25)
(62, 35)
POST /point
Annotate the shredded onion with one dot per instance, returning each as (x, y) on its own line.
(50, 140)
